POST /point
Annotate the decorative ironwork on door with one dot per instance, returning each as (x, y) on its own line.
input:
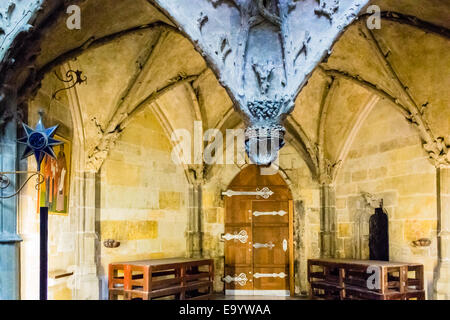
(240, 279)
(264, 193)
(241, 236)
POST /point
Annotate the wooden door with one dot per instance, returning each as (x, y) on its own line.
(258, 237)
(238, 240)
(270, 233)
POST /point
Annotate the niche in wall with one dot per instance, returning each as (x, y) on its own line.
(379, 235)
(371, 233)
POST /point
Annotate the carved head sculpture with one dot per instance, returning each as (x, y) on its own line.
(264, 136)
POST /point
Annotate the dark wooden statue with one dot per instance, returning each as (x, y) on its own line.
(379, 236)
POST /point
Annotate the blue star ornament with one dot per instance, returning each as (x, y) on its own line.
(39, 141)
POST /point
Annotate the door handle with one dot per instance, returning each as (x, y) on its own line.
(281, 275)
(268, 245)
(280, 213)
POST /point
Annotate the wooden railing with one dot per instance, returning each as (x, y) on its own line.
(365, 280)
(183, 279)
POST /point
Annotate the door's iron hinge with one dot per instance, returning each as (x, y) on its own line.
(281, 275)
(241, 279)
(268, 245)
(241, 236)
(280, 213)
(264, 193)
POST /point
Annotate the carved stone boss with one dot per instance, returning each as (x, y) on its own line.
(264, 53)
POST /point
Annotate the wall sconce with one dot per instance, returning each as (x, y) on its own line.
(111, 244)
(422, 242)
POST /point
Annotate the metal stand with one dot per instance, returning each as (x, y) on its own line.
(43, 274)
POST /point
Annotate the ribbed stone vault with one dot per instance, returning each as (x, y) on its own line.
(134, 56)
(139, 55)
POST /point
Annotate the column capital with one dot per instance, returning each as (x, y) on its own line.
(9, 238)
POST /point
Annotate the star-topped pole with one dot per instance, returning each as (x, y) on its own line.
(39, 141)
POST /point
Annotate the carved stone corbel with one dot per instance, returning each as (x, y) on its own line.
(371, 200)
(263, 52)
(327, 8)
(438, 152)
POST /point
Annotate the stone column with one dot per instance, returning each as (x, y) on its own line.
(328, 221)
(442, 288)
(194, 232)
(9, 238)
(86, 286)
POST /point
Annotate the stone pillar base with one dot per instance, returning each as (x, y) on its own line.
(87, 284)
(442, 291)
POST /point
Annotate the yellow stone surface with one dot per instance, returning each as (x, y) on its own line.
(416, 229)
(62, 293)
(169, 200)
(345, 229)
(129, 230)
(211, 215)
(122, 173)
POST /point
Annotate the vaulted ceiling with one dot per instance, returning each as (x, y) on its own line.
(134, 58)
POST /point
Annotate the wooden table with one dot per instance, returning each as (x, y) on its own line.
(185, 279)
(357, 279)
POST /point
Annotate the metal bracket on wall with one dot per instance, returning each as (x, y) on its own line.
(78, 79)
(5, 182)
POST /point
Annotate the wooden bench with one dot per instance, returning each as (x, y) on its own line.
(185, 279)
(344, 279)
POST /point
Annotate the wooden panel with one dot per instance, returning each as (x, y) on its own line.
(274, 235)
(273, 231)
(271, 283)
(238, 211)
(236, 252)
(238, 255)
(264, 207)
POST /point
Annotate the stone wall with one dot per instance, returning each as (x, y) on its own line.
(388, 161)
(143, 198)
